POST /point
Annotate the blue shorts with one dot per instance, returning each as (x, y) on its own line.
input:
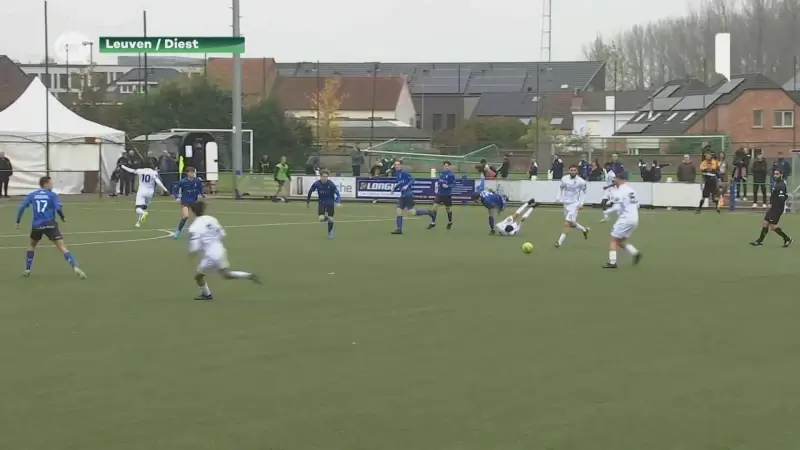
(326, 209)
(405, 203)
(49, 230)
(188, 203)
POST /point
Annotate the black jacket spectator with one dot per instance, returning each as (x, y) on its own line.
(596, 173)
(504, 168)
(533, 171)
(312, 164)
(6, 171)
(647, 172)
(656, 168)
(557, 167)
(759, 174)
(687, 172)
(783, 165)
(264, 165)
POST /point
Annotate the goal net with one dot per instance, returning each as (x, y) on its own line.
(421, 158)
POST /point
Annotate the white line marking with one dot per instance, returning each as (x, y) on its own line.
(238, 213)
(124, 241)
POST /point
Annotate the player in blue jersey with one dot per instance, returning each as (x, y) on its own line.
(494, 203)
(327, 198)
(405, 204)
(186, 192)
(46, 205)
(444, 195)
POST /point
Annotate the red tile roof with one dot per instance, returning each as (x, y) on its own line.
(258, 76)
(356, 93)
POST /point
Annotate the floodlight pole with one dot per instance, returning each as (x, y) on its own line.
(236, 148)
(47, 97)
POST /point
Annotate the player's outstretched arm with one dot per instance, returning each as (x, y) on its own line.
(161, 184)
(127, 169)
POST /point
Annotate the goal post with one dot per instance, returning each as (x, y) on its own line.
(224, 139)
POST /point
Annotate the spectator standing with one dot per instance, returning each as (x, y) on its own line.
(783, 165)
(723, 168)
(740, 165)
(123, 176)
(617, 166)
(377, 168)
(533, 171)
(283, 174)
(687, 172)
(6, 170)
(167, 170)
(357, 160)
(585, 168)
(504, 168)
(312, 163)
(759, 173)
(264, 165)
(596, 173)
(657, 171)
(557, 168)
(646, 171)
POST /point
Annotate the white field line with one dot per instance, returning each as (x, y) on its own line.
(169, 233)
(216, 213)
(123, 241)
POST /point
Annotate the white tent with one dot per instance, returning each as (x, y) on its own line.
(77, 145)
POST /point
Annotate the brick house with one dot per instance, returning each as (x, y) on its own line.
(258, 77)
(751, 110)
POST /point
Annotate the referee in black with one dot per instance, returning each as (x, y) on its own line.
(777, 205)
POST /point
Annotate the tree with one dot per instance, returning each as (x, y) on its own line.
(326, 102)
(274, 133)
(763, 39)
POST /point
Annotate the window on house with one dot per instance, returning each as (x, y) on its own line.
(783, 119)
(63, 81)
(689, 116)
(119, 75)
(451, 121)
(758, 118)
(671, 116)
(437, 122)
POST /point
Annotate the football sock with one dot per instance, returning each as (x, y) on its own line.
(527, 214)
(181, 224)
(764, 231)
(522, 208)
(68, 256)
(433, 216)
(700, 206)
(29, 259)
(450, 216)
(780, 233)
(204, 290)
(631, 249)
(330, 226)
(139, 214)
(239, 275)
(400, 223)
(561, 239)
(491, 223)
(603, 203)
(612, 257)
(580, 228)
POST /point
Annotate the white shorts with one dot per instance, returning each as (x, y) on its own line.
(144, 198)
(213, 262)
(501, 227)
(571, 213)
(623, 229)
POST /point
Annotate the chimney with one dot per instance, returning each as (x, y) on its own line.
(610, 103)
(577, 103)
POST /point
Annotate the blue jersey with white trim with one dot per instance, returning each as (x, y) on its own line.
(46, 205)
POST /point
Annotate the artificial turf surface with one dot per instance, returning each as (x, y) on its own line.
(434, 340)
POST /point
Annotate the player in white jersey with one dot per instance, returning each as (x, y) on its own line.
(571, 194)
(511, 225)
(626, 206)
(148, 179)
(608, 191)
(205, 237)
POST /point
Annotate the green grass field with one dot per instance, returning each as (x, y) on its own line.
(434, 340)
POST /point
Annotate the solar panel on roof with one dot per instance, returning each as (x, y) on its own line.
(711, 98)
(729, 86)
(660, 104)
(667, 91)
(691, 102)
(633, 128)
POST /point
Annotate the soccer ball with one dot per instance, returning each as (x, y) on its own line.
(527, 247)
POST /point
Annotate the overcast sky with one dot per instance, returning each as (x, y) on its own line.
(341, 30)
